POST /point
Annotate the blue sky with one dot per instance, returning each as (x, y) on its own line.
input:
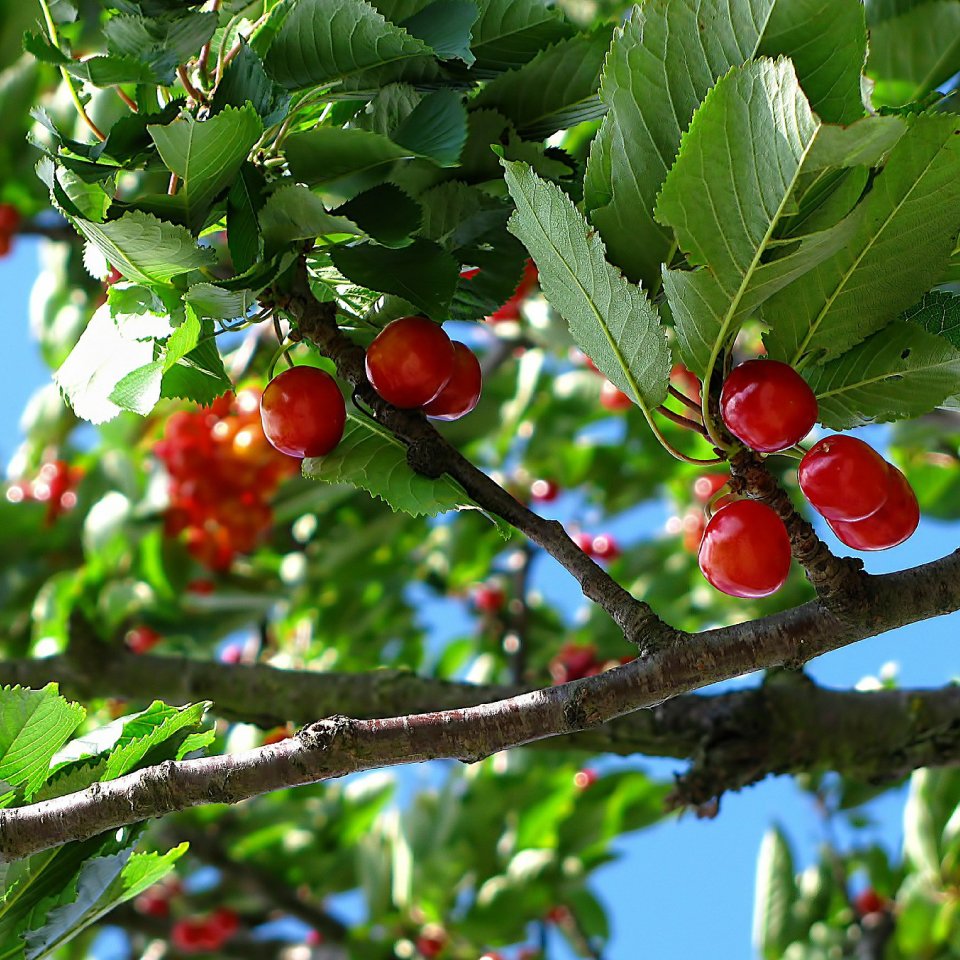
(684, 888)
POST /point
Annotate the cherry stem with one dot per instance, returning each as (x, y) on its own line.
(174, 183)
(282, 352)
(192, 91)
(684, 399)
(204, 57)
(683, 421)
(127, 99)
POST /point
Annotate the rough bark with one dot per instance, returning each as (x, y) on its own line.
(338, 746)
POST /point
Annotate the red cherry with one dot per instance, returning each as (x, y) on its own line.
(9, 218)
(226, 920)
(431, 945)
(231, 654)
(557, 914)
(693, 525)
(488, 598)
(114, 276)
(469, 273)
(844, 478)
(544, 491)
(511, 309)
(869, 901)
(462, 391)
(585, 542)
(767, 405)
(410, 361)
(745, 550)
(706, 486)
(573, 662)
(276, 736)
(585, 778)
(303, 412)
(201, 586)
(153, 903)
(6, 244)
(893, 523)
(314, 938)
(604, 547)
(613, 398)
(686, 381)
(142, 639)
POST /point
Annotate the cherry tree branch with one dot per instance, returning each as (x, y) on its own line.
(431, 454)
(337, 746)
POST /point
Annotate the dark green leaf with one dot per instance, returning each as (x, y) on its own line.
(245, 81)
(385, 213)
(444, 26)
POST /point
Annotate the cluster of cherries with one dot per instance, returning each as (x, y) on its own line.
(411, 363)
(222, 474)
(205, 934)
(510, 311)
(9, 224)
(55, 485)
(867, 502)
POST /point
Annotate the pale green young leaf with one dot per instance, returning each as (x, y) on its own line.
(213, 302)
(153, 736)
(663, 60)
(557, 89)
(101, 359)
(146, 249)
(326, 40)
(898, 373)
(207, 156)
(610, 319)
(34, 724)
(725, 196)
(913, 202)
(373, 459)
(914, 52)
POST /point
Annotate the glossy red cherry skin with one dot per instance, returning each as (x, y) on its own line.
(767, 405)
(9, 218)
(462, 391)
(410, 361)
(893, 523)
(844, 478)
(303, 412)
(745, 551)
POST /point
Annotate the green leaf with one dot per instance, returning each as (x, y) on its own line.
(211, 301)
(162, 44)
(610, 319)
(445, 26)
(866, 142)
(104, 883)
(99, 71)
(153, 736)
(663, 61)
(557, 89)
(436, 128)
(915, 200)
(146, 249)
(199, 376)
(915, 52)
(325, 40)
(385, 213)
(295, 213)
(34, 724)
(898, 373)
(244, 202)
(511, 32)
(827, 42)
(245, 81)
(389, 108)
(101, 359)
(725, 196)
(207, 156)
(328, 153)
(776, 891)
(939, 313)
(423, 272)
(373, 459)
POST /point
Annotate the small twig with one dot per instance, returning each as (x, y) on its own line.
(684, 399)
(204, 58)
(682, 421)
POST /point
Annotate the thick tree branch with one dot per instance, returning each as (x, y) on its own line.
(430, 453)
(338, 746)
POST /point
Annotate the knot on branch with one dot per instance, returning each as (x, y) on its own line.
(424, 458)
(322, 734)
(838, 581)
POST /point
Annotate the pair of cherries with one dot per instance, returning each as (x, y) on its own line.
(411, 363)
(867, 502)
